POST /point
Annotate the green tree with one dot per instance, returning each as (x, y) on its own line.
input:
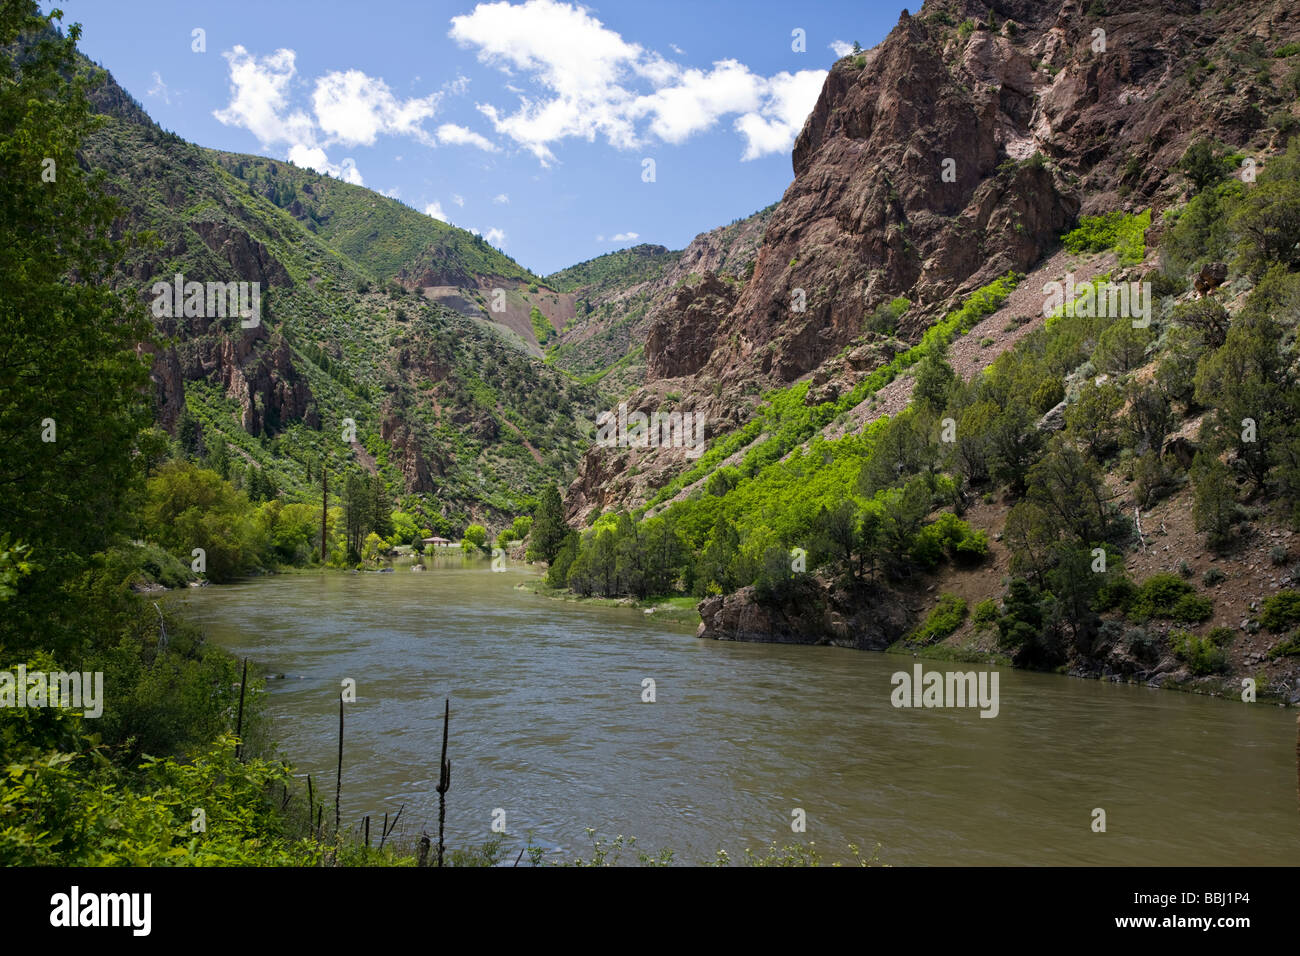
(474, 539)
(1203, 166)
(549, 529)
(1214, 505)
(73, 386)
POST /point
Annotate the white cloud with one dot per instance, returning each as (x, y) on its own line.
(626, 236)
(259, 97)
(788, 100)
(434, 209)
(313, 157)
(587, 81)
(496, 237)
(347, 107)
(458, 200)
(840, 48)
(393, 193)
(698, 99)
(676, 49)
(501, 198)
(159, 89)
(354, 109)
(460, 136)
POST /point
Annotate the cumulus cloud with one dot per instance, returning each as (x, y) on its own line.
(787, 101)
(434, 209)
(501, 198)
(587, 81)
(458, 200)
(496, 237)
(354, 109)
(840, 48)
(313, 157)
(259, 98)
(626, 236)
(348, 108)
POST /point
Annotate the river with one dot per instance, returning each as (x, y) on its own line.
(548, 725)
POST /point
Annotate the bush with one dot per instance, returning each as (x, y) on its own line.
(1281, 611)
(985, 614)
(1212, 577)
(1192, 609)
(1287, 648)
(1201, 654)
(1117, 230)
(1159, 595)
(942, 621)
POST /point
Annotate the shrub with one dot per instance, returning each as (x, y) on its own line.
(1212, 577)
(985, 614)
(1117, 230)
(1192, 609)
(1277, 555)
(942, 621)
(1286, 648)
(1201, 654)
(1158, 595)
(1281, 611)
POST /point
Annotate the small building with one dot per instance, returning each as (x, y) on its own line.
(437, 542)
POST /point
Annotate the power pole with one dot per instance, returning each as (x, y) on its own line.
(324, 506)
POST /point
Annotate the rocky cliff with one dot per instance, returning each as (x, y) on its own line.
(961, 147)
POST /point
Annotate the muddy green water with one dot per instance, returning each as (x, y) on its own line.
(548, 725)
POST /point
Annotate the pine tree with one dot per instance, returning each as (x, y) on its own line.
(549, 527)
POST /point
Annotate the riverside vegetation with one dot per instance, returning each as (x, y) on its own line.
(140, 472)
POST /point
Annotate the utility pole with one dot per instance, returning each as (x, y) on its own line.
(324, 506)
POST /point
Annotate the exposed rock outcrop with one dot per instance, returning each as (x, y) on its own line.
(812, 612)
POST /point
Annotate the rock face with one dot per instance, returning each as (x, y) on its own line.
(681, 339)
(248, 257)
(813, 612)
(938, 161)
(408, 453)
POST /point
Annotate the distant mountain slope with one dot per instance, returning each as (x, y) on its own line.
(618, 296)
(380, 234)
(451, 409)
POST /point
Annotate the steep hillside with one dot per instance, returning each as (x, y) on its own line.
(1042, 409)
(961, 147)
(618, 297)
(449, 405)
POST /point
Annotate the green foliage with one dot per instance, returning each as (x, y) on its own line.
(943, 619)
(985, 614)
(542, 328)
(474, 539)
(72, 391)
(1118, 231)
(1281, 611)
(1203, 655)
(1169, 596)
(1203, 166)
(549, 529)
(1214, 504)
(884, 320)
(1268, 218)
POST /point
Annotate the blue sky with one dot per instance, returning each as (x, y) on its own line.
(528, 121)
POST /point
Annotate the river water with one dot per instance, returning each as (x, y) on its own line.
(548, 725)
